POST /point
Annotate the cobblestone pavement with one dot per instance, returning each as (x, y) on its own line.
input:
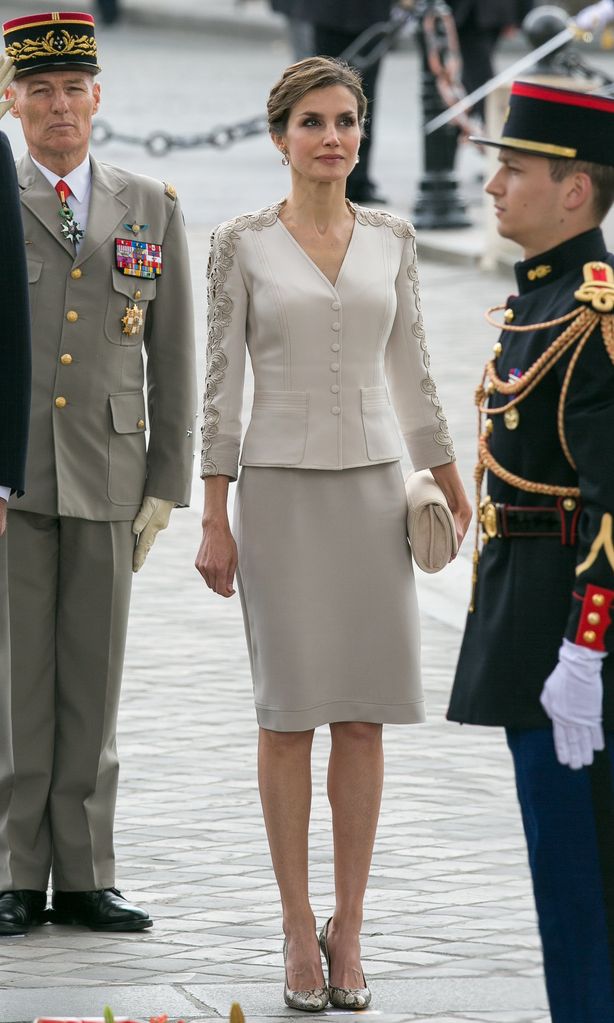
(449, 930)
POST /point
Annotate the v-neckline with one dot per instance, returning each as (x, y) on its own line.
(308, 257)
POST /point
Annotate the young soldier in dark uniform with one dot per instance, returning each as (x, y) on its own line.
(534, 657)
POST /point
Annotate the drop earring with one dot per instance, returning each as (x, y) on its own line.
(284, 160)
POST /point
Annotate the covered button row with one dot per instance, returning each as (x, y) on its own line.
(334, 366)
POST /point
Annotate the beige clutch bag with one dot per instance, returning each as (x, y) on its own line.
(430, 524)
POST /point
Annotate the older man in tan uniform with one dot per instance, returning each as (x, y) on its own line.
(109, 275)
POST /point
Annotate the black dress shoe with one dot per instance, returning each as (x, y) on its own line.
(20, 910)
(103, 910)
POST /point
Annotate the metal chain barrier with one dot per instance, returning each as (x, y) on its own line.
(159, 143)
(376, 40)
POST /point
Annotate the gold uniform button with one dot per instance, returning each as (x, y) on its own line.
(489, 426)
(569, 504)
(497, 348)
(76, 274)
(140, 424)
(60, 402)
(598, 599)
(589, 636)
(593, 618)
(66, 359)
(137, 294)
(72, 316)
(509, 315)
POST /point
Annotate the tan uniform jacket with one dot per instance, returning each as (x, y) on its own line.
(87, 450)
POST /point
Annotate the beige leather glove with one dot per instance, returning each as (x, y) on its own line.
(152, 517)
(7, 73)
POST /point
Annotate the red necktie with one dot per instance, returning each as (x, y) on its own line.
(63, 191)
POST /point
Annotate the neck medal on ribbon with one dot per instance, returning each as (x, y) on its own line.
(69, 226)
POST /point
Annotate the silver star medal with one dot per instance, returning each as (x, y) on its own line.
(69, 226)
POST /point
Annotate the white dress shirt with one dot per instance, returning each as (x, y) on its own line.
(5, 493)
(79, 181)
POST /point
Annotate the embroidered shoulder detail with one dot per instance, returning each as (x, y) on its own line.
(221, 256)
(256, 221)
(379, 218)
(427, 385)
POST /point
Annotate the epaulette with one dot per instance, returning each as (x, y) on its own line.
(598, 287)
(170, 190)
(597, 290)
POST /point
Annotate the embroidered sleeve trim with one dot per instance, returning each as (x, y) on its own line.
(403, 229)
(427, 385)
(221, 256)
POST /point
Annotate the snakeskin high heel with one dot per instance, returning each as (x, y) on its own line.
(343, 997)
(308, 1001)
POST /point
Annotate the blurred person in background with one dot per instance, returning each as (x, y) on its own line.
(300, 32)
(109, 11)
(336, 24)
(480, 25)
(595, 17)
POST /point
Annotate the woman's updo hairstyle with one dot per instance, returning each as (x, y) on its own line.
(300, 78)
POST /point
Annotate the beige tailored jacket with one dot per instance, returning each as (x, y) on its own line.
(332, 364)
(87, 454)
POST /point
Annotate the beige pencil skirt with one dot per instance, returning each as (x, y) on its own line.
(327, 590)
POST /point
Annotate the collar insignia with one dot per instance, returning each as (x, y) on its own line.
(537, 272)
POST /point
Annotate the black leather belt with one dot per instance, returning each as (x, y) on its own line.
(505, 521)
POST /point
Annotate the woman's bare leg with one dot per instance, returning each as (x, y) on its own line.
(284, 775)
(355, 779)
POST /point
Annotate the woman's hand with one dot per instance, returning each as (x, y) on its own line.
(448, 478)
(462, 519)
(217, 558)
(217, 555)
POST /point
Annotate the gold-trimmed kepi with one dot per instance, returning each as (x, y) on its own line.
(58, 41)
(560, 123)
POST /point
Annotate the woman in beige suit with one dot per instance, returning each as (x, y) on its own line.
(324, 295)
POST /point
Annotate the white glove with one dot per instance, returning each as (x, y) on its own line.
(572, 698)
(152, 517)
(596, 17)
(7, 73)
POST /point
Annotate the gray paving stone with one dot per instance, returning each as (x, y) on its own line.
(394, 996)
(25, 1005)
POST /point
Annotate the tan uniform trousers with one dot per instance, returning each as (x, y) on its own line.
(69, 584)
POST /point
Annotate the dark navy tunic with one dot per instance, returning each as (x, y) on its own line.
(528, 596)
